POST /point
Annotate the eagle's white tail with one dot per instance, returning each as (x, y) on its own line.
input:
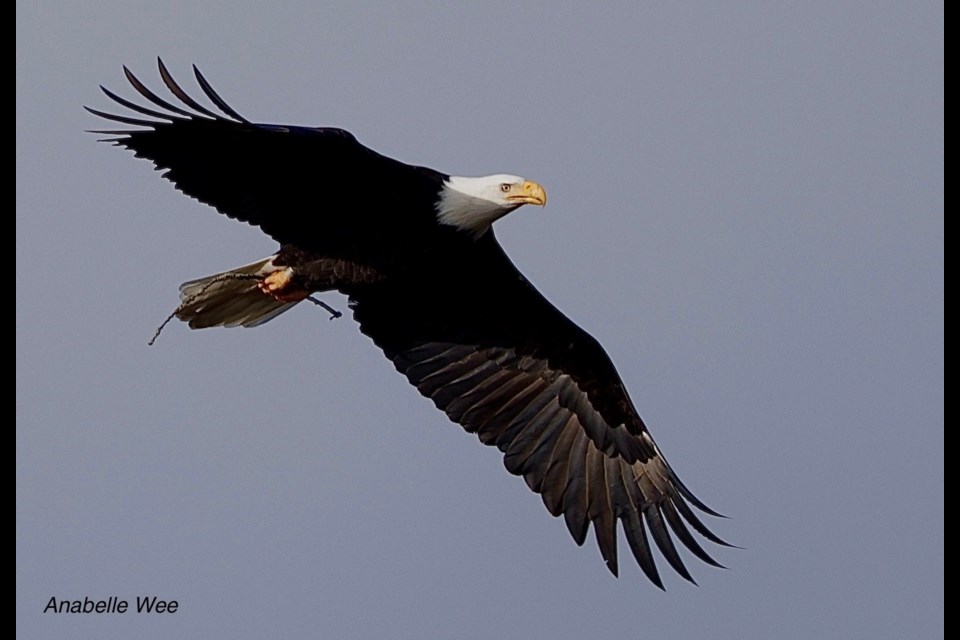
(230, 299)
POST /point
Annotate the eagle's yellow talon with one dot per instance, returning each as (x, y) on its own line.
(280, 286)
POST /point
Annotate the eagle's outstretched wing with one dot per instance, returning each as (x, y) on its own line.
(314, 187)
(492, 353)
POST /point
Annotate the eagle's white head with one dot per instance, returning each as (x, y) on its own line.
(473, 204)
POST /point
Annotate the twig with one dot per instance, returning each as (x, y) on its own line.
(156, 334)
(334, 314)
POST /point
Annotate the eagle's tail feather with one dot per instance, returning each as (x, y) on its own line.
(230, 299)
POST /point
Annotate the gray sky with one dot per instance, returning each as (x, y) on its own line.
(746, 209)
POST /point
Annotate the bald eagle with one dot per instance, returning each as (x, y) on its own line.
(414, 251)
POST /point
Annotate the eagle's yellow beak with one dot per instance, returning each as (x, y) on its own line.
(529, 193)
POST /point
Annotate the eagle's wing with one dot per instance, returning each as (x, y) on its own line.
(314, 187)
(494, 355)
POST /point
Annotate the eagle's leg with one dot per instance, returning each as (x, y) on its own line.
(280, 285)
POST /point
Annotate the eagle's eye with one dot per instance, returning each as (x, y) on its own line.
(505, 187)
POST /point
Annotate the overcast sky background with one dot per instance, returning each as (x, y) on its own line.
(746, 209)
